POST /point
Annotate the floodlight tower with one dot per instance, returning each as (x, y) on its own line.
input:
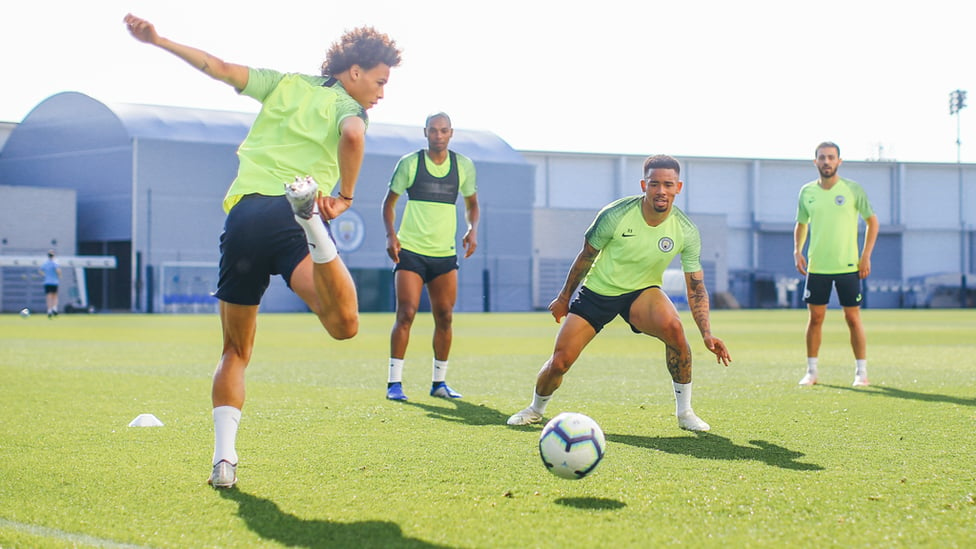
(957, 102)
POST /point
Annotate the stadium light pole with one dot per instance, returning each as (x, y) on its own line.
(957, 102)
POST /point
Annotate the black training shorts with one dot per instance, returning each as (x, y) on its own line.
(427, 267)
(819, 286)
(599, 309)
(261, 238)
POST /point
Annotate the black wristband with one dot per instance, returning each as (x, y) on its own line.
(344, 197)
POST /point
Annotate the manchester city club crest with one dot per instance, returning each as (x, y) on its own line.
(665, 244)
(839, 200)
(349, 230)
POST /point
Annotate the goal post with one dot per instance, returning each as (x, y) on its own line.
(187, 287)
(21, 283)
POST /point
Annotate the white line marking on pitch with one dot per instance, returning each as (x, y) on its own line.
(44, 532)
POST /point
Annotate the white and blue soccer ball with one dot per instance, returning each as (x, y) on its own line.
(572, 445)
(24, 313)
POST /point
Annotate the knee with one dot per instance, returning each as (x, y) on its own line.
(559, 364)
(817, 317)
(234, 355)
(405, 314)
(344, 325)
(673, 334)
(443, 318)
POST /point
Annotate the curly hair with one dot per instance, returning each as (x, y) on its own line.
(363, 46)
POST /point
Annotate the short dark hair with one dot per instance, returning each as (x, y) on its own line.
(661, 161)
(436, 115)
(826, 144)
(363, 46)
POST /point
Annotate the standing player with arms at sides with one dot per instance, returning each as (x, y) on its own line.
(828, 209)
(308, 125)
(52, 279)
(621, 267)
(424, 250)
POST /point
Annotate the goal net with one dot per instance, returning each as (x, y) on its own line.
(187, 287)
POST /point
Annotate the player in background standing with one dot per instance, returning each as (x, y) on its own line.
(621, 267)
(308, 125)
(424, 249)
(828, 209)
(52, 278)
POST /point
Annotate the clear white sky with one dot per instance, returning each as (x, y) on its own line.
(754, 78)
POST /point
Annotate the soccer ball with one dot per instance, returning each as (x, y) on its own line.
(25, 312)
(571, 445)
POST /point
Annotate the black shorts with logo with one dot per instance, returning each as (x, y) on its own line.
(599, 309)
(819, 286)
(426, 266)
(260, 238)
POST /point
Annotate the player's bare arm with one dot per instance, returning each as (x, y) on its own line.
(352, 148)
(699, 304)
(870, 237)
(212, 66)
(389, 215)
(577, 272)
(472, 212)
(799, 239)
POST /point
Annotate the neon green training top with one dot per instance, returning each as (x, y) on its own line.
(295, 134)
(832, 217)
(430, 228)
(633, 255)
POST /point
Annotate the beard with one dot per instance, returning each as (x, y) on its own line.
(827, 171)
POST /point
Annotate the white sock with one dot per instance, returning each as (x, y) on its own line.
(396, 370)
(861, 367)
(682, 397)
(320, 244)
(440, 371)
(539, 402)
(812, 365)
(226, 419)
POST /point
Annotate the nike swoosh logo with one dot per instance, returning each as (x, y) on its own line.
(625, 235)
(312, 245)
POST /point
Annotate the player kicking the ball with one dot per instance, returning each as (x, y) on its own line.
(308, 126)
(621, 267)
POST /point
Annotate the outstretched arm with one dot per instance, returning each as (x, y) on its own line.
(699, 304)
(144, 31)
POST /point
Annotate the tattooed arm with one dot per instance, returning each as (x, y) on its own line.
(581, 265)
(230, 73)
(698, 302)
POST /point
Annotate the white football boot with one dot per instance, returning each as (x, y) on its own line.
(527, 416)
(301, 194)
(690, 422)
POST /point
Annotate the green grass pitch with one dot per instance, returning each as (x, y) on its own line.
(326, 461)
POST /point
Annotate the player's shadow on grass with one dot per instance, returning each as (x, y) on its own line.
(460, 411)
(883, 390)
(595, 504)
(712, 446)
(267, 520)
